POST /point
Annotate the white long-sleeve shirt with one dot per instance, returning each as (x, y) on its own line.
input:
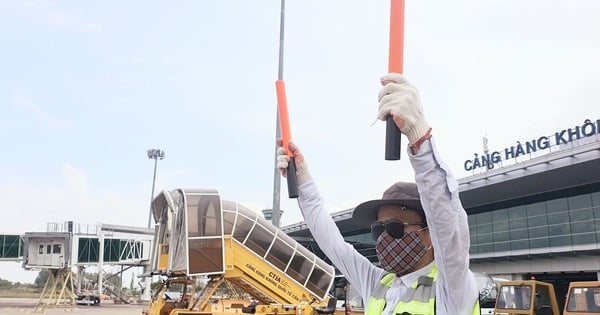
(457, 289)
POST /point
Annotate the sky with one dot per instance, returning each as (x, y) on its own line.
(86, 88)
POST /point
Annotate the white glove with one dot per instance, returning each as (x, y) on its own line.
(401, 100)
(302, 173)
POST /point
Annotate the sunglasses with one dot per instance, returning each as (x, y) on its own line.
(394, 227)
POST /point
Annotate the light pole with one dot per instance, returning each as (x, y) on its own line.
(155, 154)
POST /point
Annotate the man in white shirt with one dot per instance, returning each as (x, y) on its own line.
(420, 229)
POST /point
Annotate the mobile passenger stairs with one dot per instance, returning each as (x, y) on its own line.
(203, 241)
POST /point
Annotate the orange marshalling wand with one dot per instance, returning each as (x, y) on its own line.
(395, 65)
(286, 136)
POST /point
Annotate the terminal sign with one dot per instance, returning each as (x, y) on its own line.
(487, 160)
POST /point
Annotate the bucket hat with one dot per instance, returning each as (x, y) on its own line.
(401, 193)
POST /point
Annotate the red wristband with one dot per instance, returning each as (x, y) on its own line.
(426, 136)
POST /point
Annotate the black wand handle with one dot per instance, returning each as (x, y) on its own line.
(393, 140)
(292, 182)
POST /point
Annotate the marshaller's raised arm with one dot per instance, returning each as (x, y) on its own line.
(401, 100)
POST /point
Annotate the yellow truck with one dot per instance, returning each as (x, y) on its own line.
(532, 297)
(204, 242)
(526, 297)
(583, 298)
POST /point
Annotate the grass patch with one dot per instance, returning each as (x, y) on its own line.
(20, 293)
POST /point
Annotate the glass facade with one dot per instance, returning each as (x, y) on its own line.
(115, 250)
(568, 221)
(11, 246)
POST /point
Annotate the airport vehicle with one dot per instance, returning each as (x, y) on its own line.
(203, 241)
(583, 297)
(522, 297)
(532, 297)
(85, 298)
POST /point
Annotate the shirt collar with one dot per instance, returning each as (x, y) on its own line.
(412, 277)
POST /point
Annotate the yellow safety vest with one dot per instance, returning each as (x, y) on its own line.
(419, 299)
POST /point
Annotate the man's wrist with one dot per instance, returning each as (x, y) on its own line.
(302, 173)
(417, 145)
(419, 127)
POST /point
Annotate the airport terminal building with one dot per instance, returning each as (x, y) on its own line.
(533, 210)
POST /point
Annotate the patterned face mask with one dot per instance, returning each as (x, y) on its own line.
(400, 255)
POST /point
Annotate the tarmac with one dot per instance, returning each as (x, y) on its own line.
(20, 306)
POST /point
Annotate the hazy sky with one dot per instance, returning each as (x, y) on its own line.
(87, 87)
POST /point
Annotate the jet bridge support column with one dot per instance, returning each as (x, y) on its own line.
(100, 263)
(146, 291)
(80, 273)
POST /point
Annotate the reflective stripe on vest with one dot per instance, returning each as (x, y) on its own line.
(419, 299)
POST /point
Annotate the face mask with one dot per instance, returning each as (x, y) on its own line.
(400, 255)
